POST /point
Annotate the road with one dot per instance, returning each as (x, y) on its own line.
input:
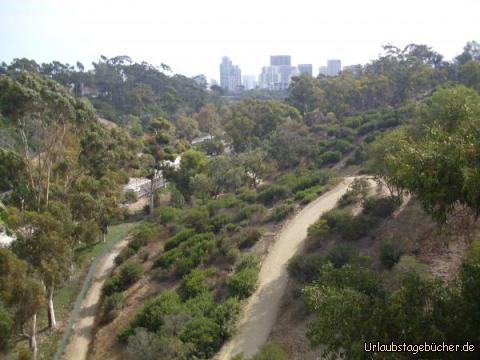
(79, 344)
(260, 312)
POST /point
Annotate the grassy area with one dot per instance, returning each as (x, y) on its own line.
(66, 295)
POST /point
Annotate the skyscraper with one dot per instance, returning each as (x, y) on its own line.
(276, 60)
(305, 69)
(277, 76)
(334, 66)
(230, 75)
(249, 82)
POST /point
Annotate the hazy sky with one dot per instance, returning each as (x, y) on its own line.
(192, 35)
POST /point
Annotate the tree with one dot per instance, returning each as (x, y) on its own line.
(21, 297)
(255, 166)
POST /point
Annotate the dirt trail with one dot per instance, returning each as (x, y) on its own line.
(81, 338)
(260, 313)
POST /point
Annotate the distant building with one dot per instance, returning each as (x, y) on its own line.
(305, 69)
(278, 75)
(230, 75)
(201, 80)
(213, 82)
(249, 82)
(323, 70)
(334, 67)
(276, 60)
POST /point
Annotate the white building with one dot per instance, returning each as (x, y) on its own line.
(230, 75)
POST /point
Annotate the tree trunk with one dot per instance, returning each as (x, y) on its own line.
(52, 323)
(104, 236)
(152, 202)
(33, 337)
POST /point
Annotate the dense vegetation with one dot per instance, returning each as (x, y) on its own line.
(409, 117)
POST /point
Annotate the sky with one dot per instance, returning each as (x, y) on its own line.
(191, 36)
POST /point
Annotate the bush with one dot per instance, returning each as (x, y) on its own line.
(337, 217)
(144, 232)
(390, 253)
(197, 218)
(305, 268)
(167, 214)
(130, 273)
(330, 157)
(248, 212)
(204, 334)
(124, 255)
(270, 194)
(357, 227)
(248, 196)
(340, 254)
(193, 284)
(380, 207)
(281, 211)
(319, 228)
(179, 237)
(249, 261)
(243, 283)
(130, 197)
(250, 237)
(111, 304)
(136, 243)
(221, 220)
(271, 351)
(112, 285)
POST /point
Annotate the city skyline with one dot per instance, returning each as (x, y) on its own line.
(191, 36)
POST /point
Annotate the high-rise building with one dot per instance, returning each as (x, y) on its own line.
(334, 66)
(276, 60)
(230, 75)
(278, 75)
(305, 69)
(249, 82)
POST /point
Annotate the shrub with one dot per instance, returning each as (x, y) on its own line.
(390, 253)
(112, 285)
(130, 273)
(340, 254)
(124, 255)
(221, 220)
(249, 261)
(250, 237)
(243, 283)
(281, 211)
(193, 284)
(319, 228)
(337, 217)
(197, 218)
(270, 194)
(356, 228)
(204, 334)
(250, 211)
(131, 197)
(330, 157)
(248, 196)
(111, 304)
(144, 232)
(167, 214)
(226, 315)
(271, 351)
(305, 268)
(178, 238)
(232, 255)
(136, 243)
(380, 207)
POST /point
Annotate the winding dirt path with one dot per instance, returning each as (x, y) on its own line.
(260, 313)
(81, 338)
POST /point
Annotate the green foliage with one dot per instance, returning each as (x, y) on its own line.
(305, 268)
(110, 306)
(194, 284)
(130, 273)
(124, 255)
(270, 194)
(271, 351)
(319, 228)
(167, 214)
(341, 254)
(281, 211)
(390, 253)
(243, 283)
(380, 207)
(250, 237)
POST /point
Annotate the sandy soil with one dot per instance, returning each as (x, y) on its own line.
(260, 313)
(81, 338)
